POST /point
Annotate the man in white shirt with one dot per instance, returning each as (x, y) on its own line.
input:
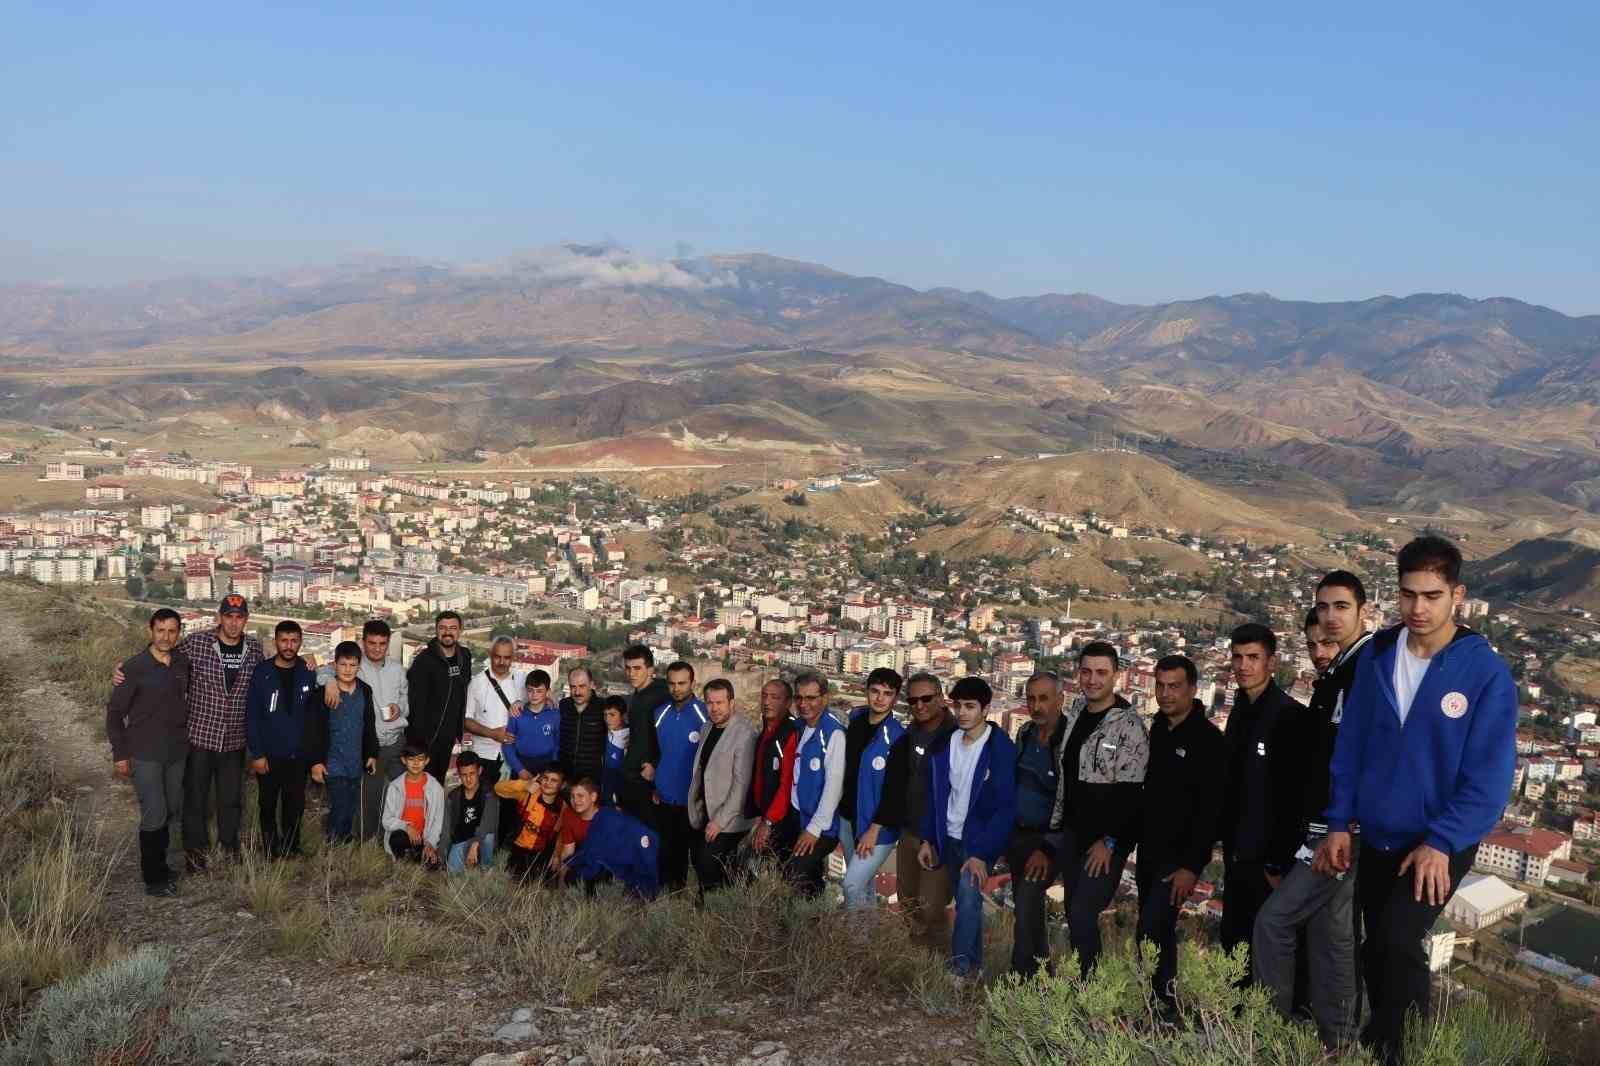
(490, 697)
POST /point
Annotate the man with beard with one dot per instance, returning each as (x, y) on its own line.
(437, 682)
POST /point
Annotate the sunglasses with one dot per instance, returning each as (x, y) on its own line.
(914, 701)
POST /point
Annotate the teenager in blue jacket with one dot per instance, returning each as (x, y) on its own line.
(871, 732)
(972, 803)
(1423, 763)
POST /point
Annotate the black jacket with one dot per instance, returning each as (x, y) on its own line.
(642, 745)
(1268, 747)
(583, 739)
(317, 729)
(437, 692)
(905, 777)
(1322, 727)
(1182, 794)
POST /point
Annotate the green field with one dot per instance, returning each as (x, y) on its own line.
(1568, 934)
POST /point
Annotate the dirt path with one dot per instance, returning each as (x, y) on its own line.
(277, 1009)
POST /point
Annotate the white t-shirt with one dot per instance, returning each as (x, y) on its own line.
(1408, 671)
(485, 708)
(963, 764)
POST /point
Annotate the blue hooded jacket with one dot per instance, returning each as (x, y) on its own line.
(869, 776)
(991, 803)
(271, 729)
(1444, 777)
(622, 846)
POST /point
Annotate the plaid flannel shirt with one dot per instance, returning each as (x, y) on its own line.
(216, 713)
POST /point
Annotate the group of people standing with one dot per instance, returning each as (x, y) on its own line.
(1367, 805)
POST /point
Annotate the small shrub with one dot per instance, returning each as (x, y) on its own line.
(123, 1012)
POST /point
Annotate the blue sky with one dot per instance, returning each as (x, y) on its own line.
(1139, 152)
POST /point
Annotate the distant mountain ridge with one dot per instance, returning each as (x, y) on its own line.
(598, 300)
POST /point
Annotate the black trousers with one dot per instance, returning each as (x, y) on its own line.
(405, 851)
(525, 865)
(281, 803)
(677, 845)
(1245, 889)
(1158, 923)
(809, 872)
(225, 771)
(1393, 958)
(714, 862)
(1087, 896)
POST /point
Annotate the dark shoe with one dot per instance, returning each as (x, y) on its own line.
(161, 888)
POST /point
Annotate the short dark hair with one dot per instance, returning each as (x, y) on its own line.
(413, 748)
(719, 684)
(288, 625)
(639, 653)
(376, 627)
(1178, 662)
(468, 758)
(788, 689)
(972, 688)
(1311, 619)
(445, 616)
(537, 677)
(1254, 633)
(553, 768)
(1101, 649)
(1431, 553)
(883, 675)
(586, 782)
(1344, 579)
(678, 666)
(347, 649)
(614, 703)
(162, 614)
(811, 677)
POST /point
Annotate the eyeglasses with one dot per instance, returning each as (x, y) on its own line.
(914, 701)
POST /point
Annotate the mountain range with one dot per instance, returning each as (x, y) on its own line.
(1435, 404)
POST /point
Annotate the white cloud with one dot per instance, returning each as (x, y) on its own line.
(594, 267)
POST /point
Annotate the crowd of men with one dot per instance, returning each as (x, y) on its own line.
(1360, 812)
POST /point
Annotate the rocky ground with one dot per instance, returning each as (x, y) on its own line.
(277, 1009)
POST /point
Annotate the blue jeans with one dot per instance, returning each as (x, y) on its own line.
(966, 943)
(456, 861)
(859, 894)
(344, 798)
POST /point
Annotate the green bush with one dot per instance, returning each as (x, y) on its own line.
(124, 1011)
(1112, 1019)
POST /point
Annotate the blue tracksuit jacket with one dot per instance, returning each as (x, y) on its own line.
(1443, 779)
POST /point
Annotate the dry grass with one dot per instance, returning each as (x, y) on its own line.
(52, 877)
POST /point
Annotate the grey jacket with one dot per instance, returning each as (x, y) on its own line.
(718, 796)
